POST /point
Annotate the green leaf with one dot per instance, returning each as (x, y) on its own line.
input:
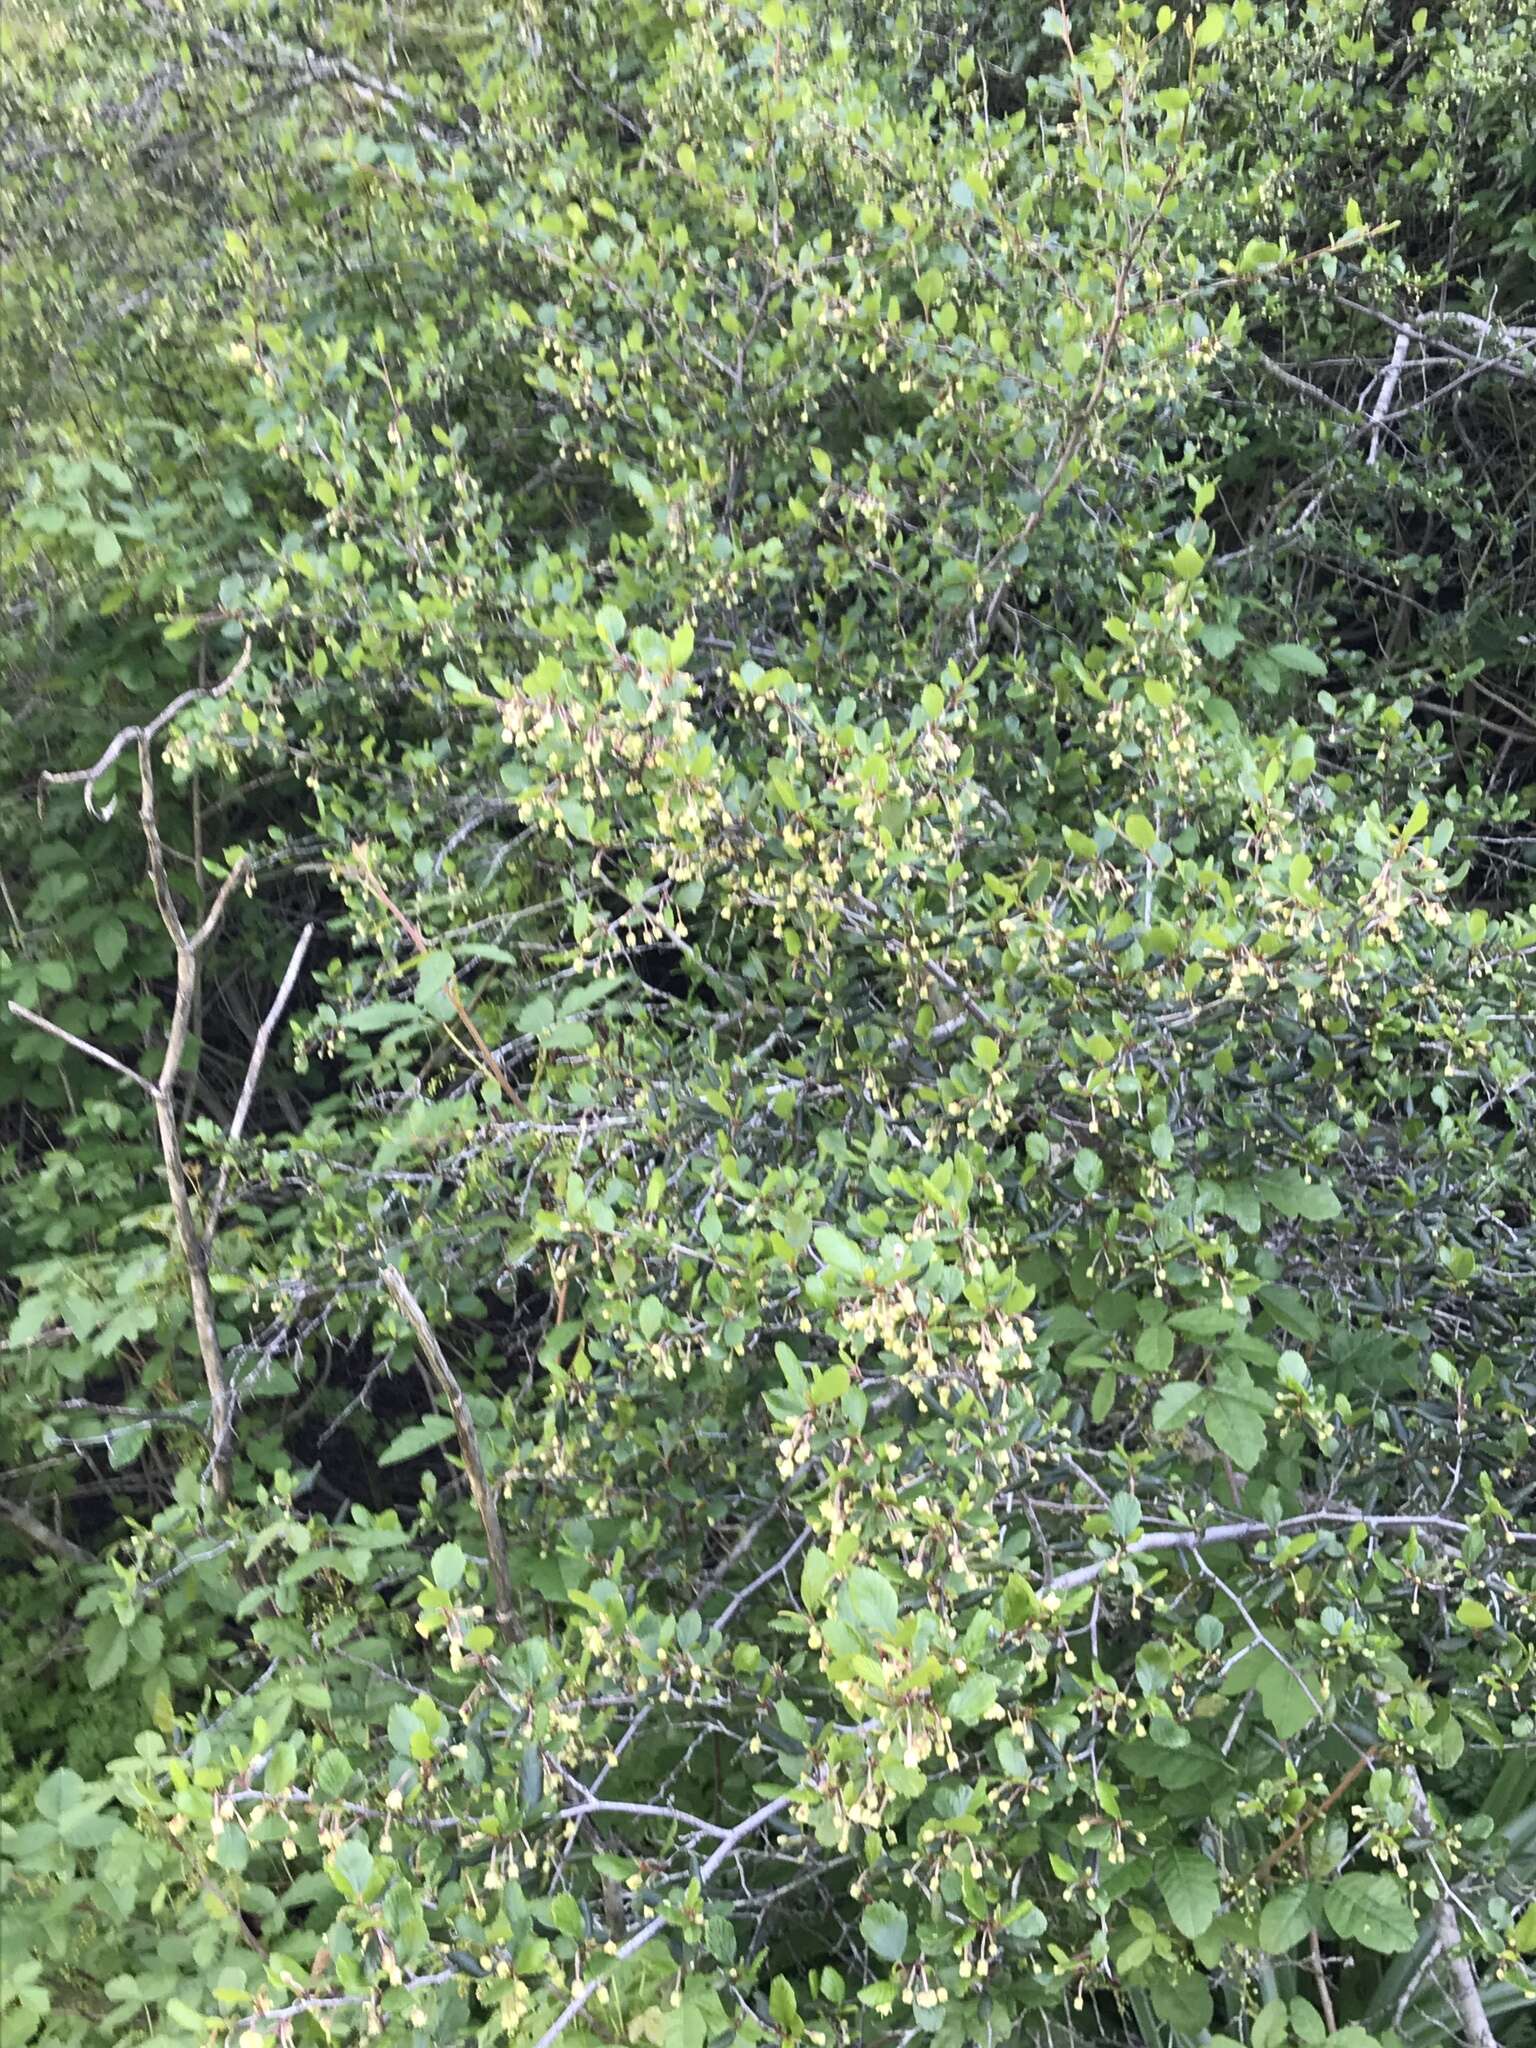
(1213, 26)
(60, 1793)
(379, 1017)
(870, 1601)
(815, 1577)
(1190, 1888)
(1293, 1195)
(1154, 1348)
(884, 1928)
(1235, 1426)
(110, 938)
(433, 970)
(1372, 1909)
(783, 2007)
(974, 1699)
(448, 1563)
(1300, 660)
(1220, 640)
(1187, 563)
(1284, 1695)
(411, 1442)
(1178, 1405)
(840, 1252)
(353, 1863)
(1088, 1170)
(688, 2027)
(1184, 2002)
(1287, 1918)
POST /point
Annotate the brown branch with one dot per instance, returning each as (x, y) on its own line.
(38, 1532)
(399, 1292)
(58, 778)
(194, 1249)
(1311, 1817)
(1320, 1978)
(482, 1056)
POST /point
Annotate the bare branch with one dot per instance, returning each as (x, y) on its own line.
(1254, 1532)
(194, 1249)
(93, 1052)
(259, 1047)
(38, 1532)
(653, 1927)
(1464, 1990)
(1382, 409)
(740, 1599)
(58, 778)
(399, 1292)
(239, 873)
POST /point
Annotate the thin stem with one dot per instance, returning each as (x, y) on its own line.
(399, 1292)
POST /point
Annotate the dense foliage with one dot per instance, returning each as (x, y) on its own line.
(765, 809)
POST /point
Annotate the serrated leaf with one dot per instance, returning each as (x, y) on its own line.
(1286, 1696)
(353, 1862)
(815, 1577)
(1178, 1405)
(884, 1928)
(1235, 1426)
(972, 1700)
(869, 1600)
(1154, 1348)
(1372, 1909)
(1190, 1890)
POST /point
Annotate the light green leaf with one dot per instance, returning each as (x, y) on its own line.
(448, 1563)
(353, 1863)
(420, 1436)
(884, 1928)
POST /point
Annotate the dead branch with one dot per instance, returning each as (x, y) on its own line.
(194, 1247)
(38, 1532)
(1382, 410)
(647, 1933)
(93, 1052)
(1465, 1994)
(259, 1047)
(399, 1292)
(58, 778)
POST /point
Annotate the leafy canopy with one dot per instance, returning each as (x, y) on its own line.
(766, 1183)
